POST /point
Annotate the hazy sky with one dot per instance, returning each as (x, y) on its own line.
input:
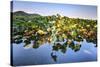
(77, 11)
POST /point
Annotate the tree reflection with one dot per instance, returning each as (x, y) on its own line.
(54, 56)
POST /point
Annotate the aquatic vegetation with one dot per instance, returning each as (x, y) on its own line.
(60, 31)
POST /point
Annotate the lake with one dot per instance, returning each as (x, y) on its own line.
(45, 55)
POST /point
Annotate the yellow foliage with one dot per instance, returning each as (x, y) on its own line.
(49, 29)
(41, 32)
(64, 36)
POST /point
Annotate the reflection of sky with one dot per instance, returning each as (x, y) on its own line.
(23, 56)
(69, 10)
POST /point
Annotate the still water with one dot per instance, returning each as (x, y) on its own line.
(42, 55)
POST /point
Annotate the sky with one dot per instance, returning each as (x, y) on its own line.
(69, 10)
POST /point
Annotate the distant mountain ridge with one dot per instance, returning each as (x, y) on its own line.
(22, 13)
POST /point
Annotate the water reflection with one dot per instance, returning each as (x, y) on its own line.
(54, 56)
(62, 46)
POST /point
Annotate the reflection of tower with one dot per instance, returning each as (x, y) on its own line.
(54, 56)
